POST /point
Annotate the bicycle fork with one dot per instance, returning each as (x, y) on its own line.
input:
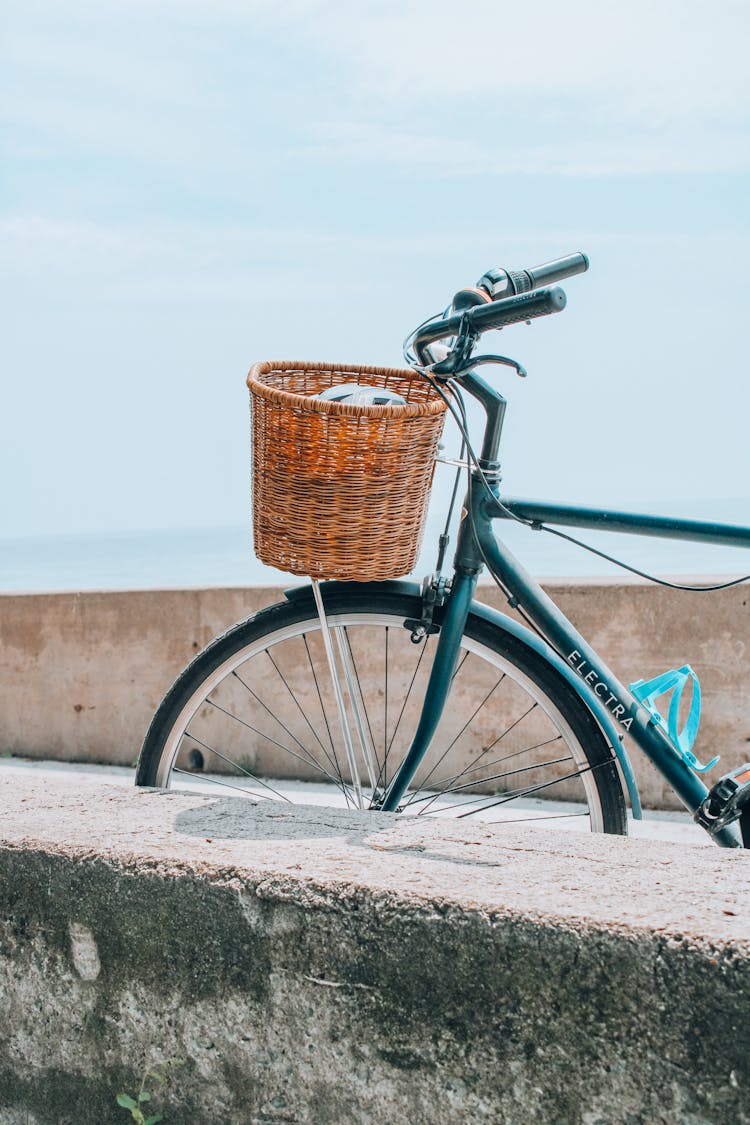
(446, 657)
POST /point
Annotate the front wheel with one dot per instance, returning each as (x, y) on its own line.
(255, 714)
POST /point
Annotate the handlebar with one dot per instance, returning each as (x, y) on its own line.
(502, 297)
(482, 318)
(526, 306)
(499, 283)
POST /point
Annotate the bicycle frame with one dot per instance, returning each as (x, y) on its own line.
(478, 545)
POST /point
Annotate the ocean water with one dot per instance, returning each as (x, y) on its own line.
(222, 556)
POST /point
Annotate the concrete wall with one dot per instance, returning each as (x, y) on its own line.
(82, 673)
(321, 968)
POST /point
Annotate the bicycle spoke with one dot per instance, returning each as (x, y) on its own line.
(277, 719)
(235, 765)
(489, 780)
(467, 724)
(423, 650)
(475, 767)
(318, 691)
(308, 759)
(522, 793)
(211, 780)
(350, 798)
(296, 702)
(464, 657)
(447, 784)
(544, 816)
(510, 728)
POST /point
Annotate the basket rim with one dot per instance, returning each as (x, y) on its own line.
(432, 406)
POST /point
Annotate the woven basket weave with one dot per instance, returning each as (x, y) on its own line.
(340, 491)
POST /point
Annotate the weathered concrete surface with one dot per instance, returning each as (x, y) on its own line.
(81, 674)
(324, 967)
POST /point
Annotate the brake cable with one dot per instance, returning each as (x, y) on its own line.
(538, 525)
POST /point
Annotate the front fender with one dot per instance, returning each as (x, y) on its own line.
(520, 632)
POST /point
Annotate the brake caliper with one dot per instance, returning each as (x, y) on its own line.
(434, 593)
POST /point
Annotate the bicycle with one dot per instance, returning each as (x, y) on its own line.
(399, 697)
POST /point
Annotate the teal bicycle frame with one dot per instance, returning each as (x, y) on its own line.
(617, 712)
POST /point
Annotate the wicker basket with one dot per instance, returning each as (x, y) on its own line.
(340, 491)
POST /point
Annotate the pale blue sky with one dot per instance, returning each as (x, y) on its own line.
(190, 186)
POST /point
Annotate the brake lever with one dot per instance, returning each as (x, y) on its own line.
(519, 369)
(459, 359)
(479, 360)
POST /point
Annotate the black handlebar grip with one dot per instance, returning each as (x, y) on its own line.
(496, 314)
(550, 272)
(500, 284)
(526, 306)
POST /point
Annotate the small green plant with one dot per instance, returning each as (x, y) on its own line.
(159, 1073)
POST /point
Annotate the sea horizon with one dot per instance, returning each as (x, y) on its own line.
(222, 556)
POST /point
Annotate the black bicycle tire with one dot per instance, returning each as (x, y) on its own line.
(299, 608)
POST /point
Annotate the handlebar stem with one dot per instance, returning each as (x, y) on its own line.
(494, 406)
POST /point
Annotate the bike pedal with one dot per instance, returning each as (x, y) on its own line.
(727, 801)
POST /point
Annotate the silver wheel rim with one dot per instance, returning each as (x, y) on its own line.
(167, 776)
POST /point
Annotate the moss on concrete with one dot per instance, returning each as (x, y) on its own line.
(323, 1014)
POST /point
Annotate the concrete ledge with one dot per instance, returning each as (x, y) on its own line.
(324, 967)
(81, 674)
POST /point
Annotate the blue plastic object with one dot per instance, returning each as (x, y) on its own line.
(646, 691)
